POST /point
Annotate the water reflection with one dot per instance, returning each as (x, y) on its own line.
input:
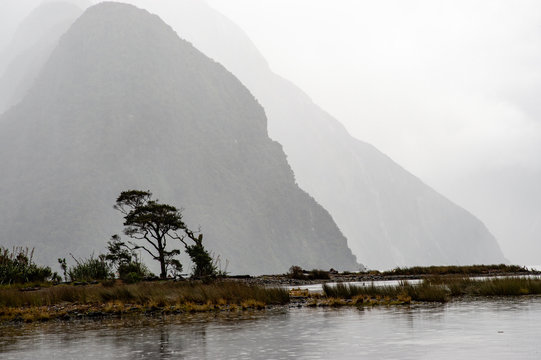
(492, 329)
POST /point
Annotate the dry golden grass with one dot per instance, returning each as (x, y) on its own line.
(165, 297)
(437, 289)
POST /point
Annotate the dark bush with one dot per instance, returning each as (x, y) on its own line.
(17, 266)
(203, 265)
(126, 261)
(317, 274)
(296, 272)
(133, 272)
(90, 269)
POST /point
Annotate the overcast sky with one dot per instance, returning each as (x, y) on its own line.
(448, 89)
(432, 84)
(441, 87)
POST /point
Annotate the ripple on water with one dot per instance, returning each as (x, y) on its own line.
(480, 329)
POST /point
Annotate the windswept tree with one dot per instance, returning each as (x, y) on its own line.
(152, 224)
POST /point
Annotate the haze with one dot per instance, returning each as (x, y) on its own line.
(446, 89)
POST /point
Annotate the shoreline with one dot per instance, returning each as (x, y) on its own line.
(66, 302)
(284, 280)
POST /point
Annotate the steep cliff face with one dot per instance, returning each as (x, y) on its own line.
(124, 103)
(389, 216)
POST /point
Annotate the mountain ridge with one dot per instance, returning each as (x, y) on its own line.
(385, 221)
(122, 103)
(309, 134)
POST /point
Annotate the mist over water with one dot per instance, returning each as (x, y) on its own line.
(447, 89)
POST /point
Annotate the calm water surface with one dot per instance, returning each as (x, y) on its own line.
(494, 329)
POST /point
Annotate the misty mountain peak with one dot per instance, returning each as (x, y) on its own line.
(124, 103)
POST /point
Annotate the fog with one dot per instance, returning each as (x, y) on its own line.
(446, 89)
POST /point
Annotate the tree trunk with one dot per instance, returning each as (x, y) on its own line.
(161, 250)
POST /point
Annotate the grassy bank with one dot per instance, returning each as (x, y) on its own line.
(435, 289)
(168, 297)
(466, 270)
(69, 301)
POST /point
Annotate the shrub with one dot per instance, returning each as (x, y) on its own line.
(133, 272)
(296, 272)
(17, 266)
(126, 261)
(203, 263)
(90, 269)
(317, 274)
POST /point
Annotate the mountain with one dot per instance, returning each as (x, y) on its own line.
(124, 103)
(33, 42)
(389, 216)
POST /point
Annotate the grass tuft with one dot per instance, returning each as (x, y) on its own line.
(438, 289)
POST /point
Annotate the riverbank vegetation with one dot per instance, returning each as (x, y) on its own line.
(116, 298)
(435, 289)
(119, 283)
(296, 272)
(468, 270)
(68, 301)
(17, 266)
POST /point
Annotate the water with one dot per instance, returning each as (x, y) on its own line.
(492, 329)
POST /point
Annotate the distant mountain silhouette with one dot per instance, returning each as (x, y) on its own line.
(31, 46)
(389, 216)
(124, 103)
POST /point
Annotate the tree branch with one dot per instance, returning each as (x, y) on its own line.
(136, 247)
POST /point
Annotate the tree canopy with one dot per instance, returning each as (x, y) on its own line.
(154, 224)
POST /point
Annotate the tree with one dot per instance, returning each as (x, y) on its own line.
(155, 223)
(204, 266)
(152, 223)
